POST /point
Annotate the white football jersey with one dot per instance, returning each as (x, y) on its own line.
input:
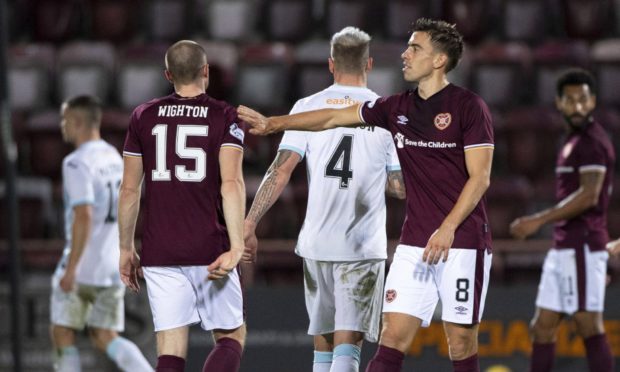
(347, 173)
(92, 175)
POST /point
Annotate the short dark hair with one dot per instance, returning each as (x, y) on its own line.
(184, 60)
(90, 105)
(444, 37)
(575, 76)
(349, 50)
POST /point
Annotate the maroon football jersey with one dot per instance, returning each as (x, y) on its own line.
(587, 149)
(431, 138)
(179, 140)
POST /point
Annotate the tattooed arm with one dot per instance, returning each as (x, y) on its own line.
(395, 186)
(269, 191)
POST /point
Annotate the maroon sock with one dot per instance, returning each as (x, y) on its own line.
(386, 360)
(599, 354)
(225, 356)
(542, 358)
(170, 363)
(467, 365)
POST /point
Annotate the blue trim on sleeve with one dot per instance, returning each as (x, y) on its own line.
(301, 152)
(393, 167)
(81, 202)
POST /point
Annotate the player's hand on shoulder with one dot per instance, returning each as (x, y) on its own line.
(258, 122)
(613, 248)
(224, 264)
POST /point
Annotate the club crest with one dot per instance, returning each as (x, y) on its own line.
(390, 295)
(443, 120)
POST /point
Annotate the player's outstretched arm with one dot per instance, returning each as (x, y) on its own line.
(395, 185)
(478, 163)
(128, 208)
(586, 197)
(308, 121)
(233, 203)
(270, 189)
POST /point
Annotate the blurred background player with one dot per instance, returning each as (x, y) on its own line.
(189, 148)
(574, 272)
(343, 240)
(86, 287)
(444, 141)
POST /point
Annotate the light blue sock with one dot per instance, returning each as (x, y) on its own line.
(322, 361)
(346, 358)
(68, 360)
(127, 356)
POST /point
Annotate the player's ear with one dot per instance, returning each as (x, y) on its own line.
(205, 71)
(330, 63)
(558, 103)
(369, 64)
(168, 76)
(440, 60)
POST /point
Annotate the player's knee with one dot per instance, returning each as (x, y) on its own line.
(238, 335)
(394, 339)
(62, 336)
(541, 331)
(100, 338)
(462, 346)
(589, 324)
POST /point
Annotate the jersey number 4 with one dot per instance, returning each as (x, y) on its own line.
(339, 165)
(161, 173)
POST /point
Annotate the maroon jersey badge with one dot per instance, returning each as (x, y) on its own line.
(443, 120)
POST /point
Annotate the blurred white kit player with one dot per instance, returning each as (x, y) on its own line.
(86, 286)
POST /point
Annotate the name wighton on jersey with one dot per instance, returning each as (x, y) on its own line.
(431, 138)
(586, 150)
(92, 175)
(179, 141)
(347, 173)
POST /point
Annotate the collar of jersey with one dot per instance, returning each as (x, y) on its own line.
(346, 87)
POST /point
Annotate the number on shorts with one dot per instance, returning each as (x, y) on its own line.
(462, 290)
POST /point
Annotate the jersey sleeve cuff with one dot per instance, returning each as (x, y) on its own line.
(132, 154)
(592, 168)
(301, 152)
(479, 146)
(392, 168)
(81, 202)
(232, 145)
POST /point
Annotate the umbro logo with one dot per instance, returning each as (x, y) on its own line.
(402, 120)
(461, 310)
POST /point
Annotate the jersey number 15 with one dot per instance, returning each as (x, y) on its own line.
(161, 173)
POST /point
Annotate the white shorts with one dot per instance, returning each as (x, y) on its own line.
(182, 295)
(344, 296)
(573, 280)
(414, 287)
(96, 307)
